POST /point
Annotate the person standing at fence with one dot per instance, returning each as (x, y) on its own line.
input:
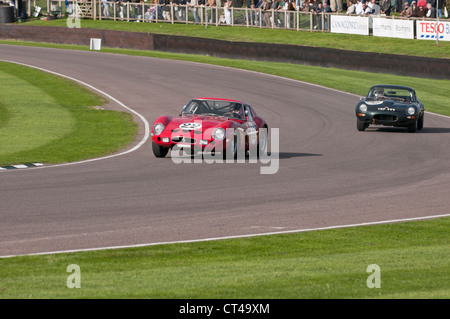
(277, 20)
(359, 7)
(193, 7)
(227, 11)
(177, 10)
(440, 7)
(183, 9)
(431, 11)
(290, 18)
(317, 15)
(422, 12)
(266, 7)
(165, 9)
(105, 6)
(336, 5)
(407, 10)
(375, 8)
(385, 7)
(210, 10)
(326, 10)
(365, 9)
(250, 5)
(149, 15)
(257, 12)
(138, 11)
(422, 3)
(414, 10)
(351, 8)
(397, 4)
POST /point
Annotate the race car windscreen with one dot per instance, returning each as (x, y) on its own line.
(397, 94)
(215, 108)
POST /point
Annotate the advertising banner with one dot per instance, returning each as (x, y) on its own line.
(393, 28)
(428, 30)
(350, 25)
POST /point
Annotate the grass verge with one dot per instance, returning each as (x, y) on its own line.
(413, 259)
(425, 48)
(48, 119)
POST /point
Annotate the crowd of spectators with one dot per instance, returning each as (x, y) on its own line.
(340, 6)
(408, 9)
(273, 8)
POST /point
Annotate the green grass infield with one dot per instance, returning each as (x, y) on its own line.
(48, 119)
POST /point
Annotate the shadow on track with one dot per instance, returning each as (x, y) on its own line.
(425, 130)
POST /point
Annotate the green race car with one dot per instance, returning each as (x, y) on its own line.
(390, 105)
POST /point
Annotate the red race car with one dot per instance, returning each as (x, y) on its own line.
(211, 125)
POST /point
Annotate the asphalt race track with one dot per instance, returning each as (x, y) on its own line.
(329, 174)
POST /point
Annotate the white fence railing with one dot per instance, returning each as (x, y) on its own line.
(203, 15)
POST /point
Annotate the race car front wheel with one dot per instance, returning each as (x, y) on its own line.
(361, 126)
(159, 151)
(412, 128)
(231, 149)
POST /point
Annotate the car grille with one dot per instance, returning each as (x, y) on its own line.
(183, 139)
(385, 117)
(186, 131)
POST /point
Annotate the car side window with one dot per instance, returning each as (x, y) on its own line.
(248, 113)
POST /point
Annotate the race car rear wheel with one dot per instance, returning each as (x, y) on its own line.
(159, 151)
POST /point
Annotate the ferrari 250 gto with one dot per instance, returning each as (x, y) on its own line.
(211, 124)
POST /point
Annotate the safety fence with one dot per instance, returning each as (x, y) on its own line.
(244, 17)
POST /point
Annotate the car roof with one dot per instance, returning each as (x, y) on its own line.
(393, 86)
(217, 99)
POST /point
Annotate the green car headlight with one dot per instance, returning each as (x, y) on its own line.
(411, 110)
(363, 108)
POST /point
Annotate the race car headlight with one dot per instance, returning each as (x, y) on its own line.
(219, 134)
(411, 110)
(363, 108)
(158, 128)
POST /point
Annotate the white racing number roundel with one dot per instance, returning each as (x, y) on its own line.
(191, 126)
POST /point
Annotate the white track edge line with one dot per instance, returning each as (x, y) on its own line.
(141, 117)
(232, 237)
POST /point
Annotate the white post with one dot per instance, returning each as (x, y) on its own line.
(437, 22)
